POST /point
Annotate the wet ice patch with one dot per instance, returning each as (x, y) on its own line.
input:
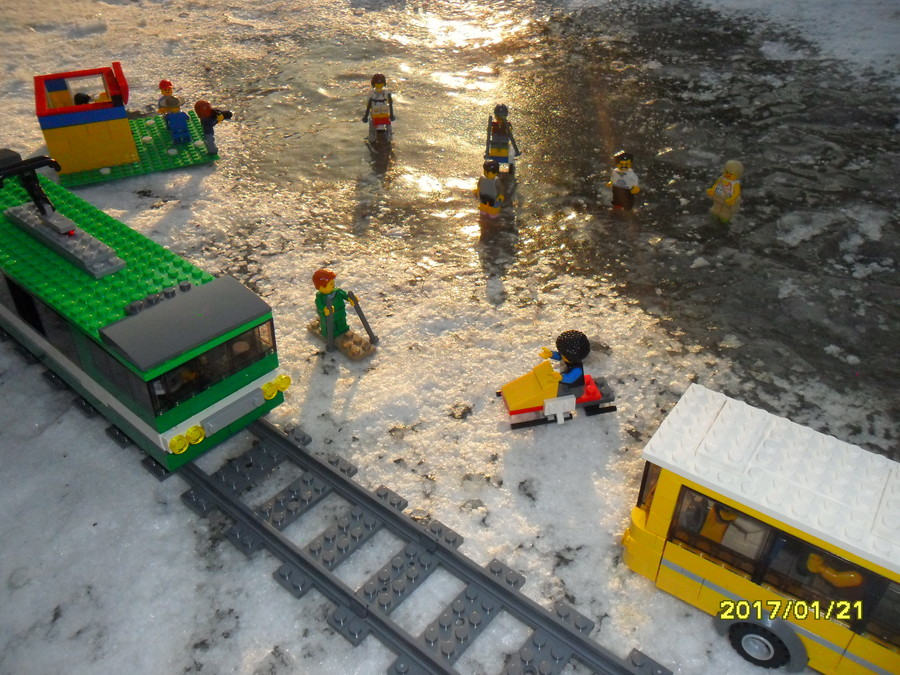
(782, 51)
(838, 353)
(869, 221)
(799, 226)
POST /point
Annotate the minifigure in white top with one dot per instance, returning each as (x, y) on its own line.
(623, 181)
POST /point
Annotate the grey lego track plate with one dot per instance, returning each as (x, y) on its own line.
(63, 236)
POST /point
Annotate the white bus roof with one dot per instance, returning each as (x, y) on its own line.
(832, 490)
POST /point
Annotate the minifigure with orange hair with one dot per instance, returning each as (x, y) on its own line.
(331, 324)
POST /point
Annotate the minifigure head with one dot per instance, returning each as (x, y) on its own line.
(733, 169)
(203, 109)
(323, 280)
(491, 168)
(166, 88)
(378, 81)
(81, 98)
(500, 110)
(623, 159)
(573, 346)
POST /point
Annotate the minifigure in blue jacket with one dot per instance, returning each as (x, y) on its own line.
(572, 347)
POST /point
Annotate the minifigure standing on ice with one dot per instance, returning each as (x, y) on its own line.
(726, 192)
(623, 181)
(489, 191)
(500, 138)
(379, 110)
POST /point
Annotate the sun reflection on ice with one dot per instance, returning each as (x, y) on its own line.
(474, 24)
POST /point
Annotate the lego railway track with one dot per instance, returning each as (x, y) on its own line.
(555, 639)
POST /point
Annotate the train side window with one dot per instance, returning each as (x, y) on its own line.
(6, 298)
(720, 531)
(57, 331)
(23, 305)
(112, 373)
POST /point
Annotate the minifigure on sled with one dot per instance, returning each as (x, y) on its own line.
(547, 395)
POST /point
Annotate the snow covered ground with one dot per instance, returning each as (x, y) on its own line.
(104, 569)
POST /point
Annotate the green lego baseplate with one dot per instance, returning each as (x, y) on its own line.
(154, 143)
(86, 302)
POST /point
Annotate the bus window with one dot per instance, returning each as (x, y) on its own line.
(720, 531)
(807, 572)
(648, 485)
(882, 620)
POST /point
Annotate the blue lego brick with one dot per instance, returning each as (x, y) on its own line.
(56, 85)
(72, 119)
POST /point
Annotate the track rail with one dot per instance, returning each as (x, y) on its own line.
(556, 638)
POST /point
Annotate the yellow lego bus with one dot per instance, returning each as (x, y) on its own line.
(788, 537)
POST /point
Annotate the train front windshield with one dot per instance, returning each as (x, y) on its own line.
(211, 367)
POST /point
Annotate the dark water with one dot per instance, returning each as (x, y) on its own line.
(801, 290)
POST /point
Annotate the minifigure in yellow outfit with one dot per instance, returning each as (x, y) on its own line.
(726, 192)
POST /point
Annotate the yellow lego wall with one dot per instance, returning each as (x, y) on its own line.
(60, 98)
(91, 146)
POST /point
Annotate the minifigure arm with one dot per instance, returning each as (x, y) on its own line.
(368, 107)
(391, 106)
(550, 354)
(512, 140)
(487, 144)
(572, 375)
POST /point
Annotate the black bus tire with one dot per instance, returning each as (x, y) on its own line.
(758, 645)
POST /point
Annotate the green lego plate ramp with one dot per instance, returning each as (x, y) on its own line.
(154, 143)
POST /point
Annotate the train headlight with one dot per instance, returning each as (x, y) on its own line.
(269, 390)
(283, 382)
(195, 434)
(178, 444)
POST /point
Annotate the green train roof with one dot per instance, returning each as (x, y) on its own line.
(88, 303)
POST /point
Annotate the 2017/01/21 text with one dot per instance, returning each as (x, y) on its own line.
(840, 610)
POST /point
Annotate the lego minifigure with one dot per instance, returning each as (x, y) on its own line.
(623, 181)
(169, 107)
(209, 118)
(331, 324)
(168, 102)
(572, 347)
(546, 395)
(489, 191)
(379, 110)
(500, 138)
(726, 192)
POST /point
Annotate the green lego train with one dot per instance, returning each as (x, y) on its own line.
(177, 359)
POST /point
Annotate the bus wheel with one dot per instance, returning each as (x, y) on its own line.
(758, 645)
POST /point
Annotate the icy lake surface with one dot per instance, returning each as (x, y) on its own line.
(793, 307)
